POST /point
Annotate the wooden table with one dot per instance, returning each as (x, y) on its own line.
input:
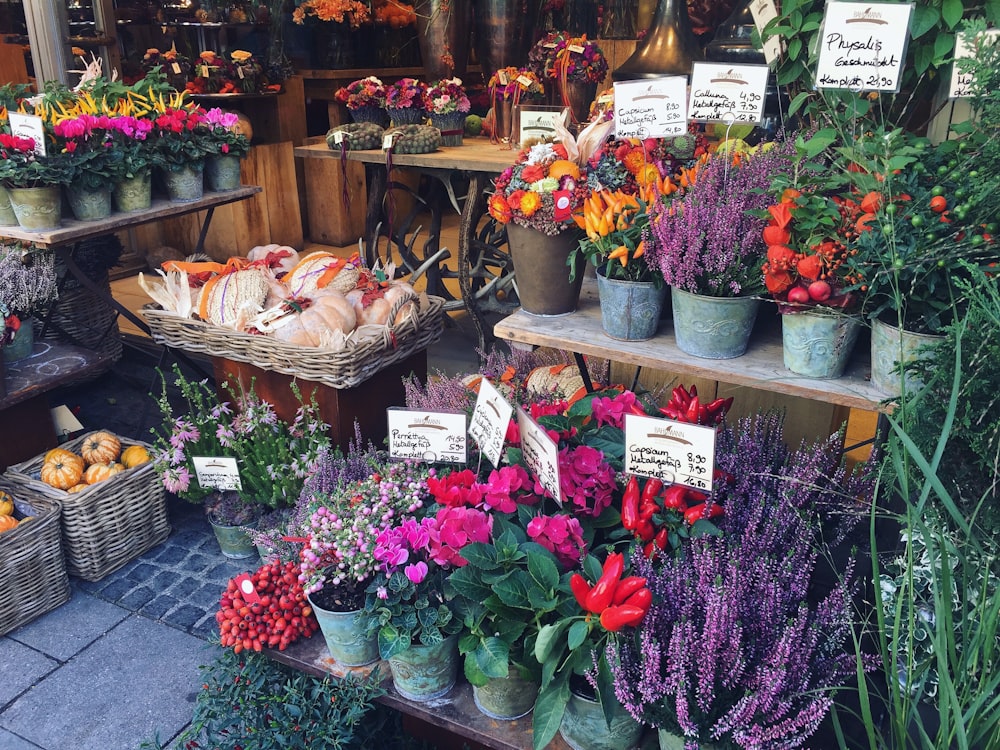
(25, 423)
(761, 367)
(484, 270)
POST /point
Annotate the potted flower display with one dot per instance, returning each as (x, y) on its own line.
(34, 181)
(132, 187)
(365, 100)
(181, 140)
(27, 285)
(705, 238)
(535, 199)
(272, 456)
(508, 88)
(447, 104)
(228, 145)
(405, 101)
(87, 140)
(578, 66)
(334, 29)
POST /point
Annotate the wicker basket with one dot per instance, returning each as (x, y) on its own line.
(109, 523)
(81, 317)
(344, 369)
(33, 576)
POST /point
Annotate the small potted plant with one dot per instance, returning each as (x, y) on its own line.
(87, 140)
(365, 100)
(27, 284)
(132, 188)
(34, 182)
(508, 88)
(181, 140)
(228, 145)
(447, 104)
(706, 239)
(404, 100)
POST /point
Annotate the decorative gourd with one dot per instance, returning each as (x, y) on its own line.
(56, 452)
(99, 472)
(134, 455)
(7, 523)
(330, 312)
(77, 488)
(63, 470)
(100, 448)
(6, 504)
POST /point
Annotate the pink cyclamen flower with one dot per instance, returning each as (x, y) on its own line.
(586, 479)
(416, 572)
(455, 527)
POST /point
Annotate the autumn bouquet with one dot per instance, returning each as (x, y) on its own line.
(352, 12)
(365, 100)
(405, 101)
(630, 164)
(515, 85)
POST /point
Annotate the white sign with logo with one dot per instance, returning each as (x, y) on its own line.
(672, 451)
(490, 419)
(763, 12)
(961, 82)
(28, 126)
(863, 45)
(427, 436)
(651, 108)
(541, 453)
(220, 472)
(727, 93)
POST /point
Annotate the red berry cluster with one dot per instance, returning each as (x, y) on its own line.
(276, 619)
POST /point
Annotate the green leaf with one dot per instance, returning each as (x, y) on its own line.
(993, 11)
(466, 583)
(548, 638)
(794, 46)
(578, 632)
(922, 59)
(492, 657)
(944, 44)
(925, 18)
(473, 673)
(819, 142)
(512, 592)
(797, 102)
(951, 12)
(543, 570)
(549, 709)
(606, 691)
(467, 643)
(480, 555)
(592, 568)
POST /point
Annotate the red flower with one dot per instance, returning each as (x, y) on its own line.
(781, 214)
(533, 173)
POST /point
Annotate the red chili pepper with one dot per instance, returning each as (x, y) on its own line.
(660, 540)
(648, 550)
(696, 512)
(693, 390)
(615, 618)
(603, 592)
(642, 598)
(627, 587)
(637, 409)
(651, 490)
(691, 415)
(723, 476)
(580, 589)
(630, 504)
(680, 396)
(703, 414)
(670, 412)
(675, 497)
(645, 530)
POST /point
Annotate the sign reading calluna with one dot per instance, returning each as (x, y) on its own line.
(863, 45)
(220, 472)
(427, 436)
(489, 421)
(541, 453)
(672, 451)
(651, 108)
(727, 93)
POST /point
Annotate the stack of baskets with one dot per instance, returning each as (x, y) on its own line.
(33, 576)
(108, 524)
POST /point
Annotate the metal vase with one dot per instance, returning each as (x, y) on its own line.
(505, 698)
(892, 346)
(584, 726)
(669, 47)
(713, 327)
(133, 193)
(7, 216)
(186, 183)
(818, 345)
(345, 637)
(423, 673)
(630, 310)
(541, 272)
(443, 30)
(89, 204)
(37, 208)
(578, 96)
(222, 172)
(504, 32)
(234, 541)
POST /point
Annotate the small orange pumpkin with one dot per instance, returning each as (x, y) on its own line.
(134, 455)
(63, 470)
(7, 523)
(6, 504)
(100, 448)
(99, 472)
(56, 452)
(77, 488)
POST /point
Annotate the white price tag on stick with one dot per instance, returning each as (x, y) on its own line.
(220, 472)
(863, 45)
(541, 453)
(427, 436)
(672, 451)
(490, 419)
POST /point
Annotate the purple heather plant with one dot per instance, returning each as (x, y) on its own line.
(731, 649)
(707, 238)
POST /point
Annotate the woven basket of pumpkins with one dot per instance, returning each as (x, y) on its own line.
(114, 506)
(33, 576)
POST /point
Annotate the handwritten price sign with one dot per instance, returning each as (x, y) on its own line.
(651, 108)
(672, 451)
(489, 421)
(728, 93)
(862, 46)
(541, 454)
(220, 472)
(427, 436)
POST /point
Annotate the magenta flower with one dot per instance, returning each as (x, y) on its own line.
(453, 528)
(457, 489)
(586, 479)
(612, 411)
(560, 534)
(507, 487)
(416, 572)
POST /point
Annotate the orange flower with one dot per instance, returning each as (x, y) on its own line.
(533, 173)
(530, 203)
(499, 209)
(810, 267)
(781, 214)
(871, 203)
(648, 175)
(514, 199)
(635, 161)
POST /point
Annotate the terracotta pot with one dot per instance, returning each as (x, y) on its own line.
(541, 273)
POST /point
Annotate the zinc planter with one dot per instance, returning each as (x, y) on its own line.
(377, 115)
(505, 698)
(892, 346)
(630, 310)
(584, 726)
(540, 271)
(818, 345)
(713, 327)
(423, 673)
(345, 637)
(7, 216)
(670, 741)
(37, 208)
(133, 193)
(89, 204)
(185, 184)
(234, 541)
(222, 172)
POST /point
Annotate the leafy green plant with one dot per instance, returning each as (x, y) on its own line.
(250, 702)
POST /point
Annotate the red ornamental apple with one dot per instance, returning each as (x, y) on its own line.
(820, 291)
(798, 295)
